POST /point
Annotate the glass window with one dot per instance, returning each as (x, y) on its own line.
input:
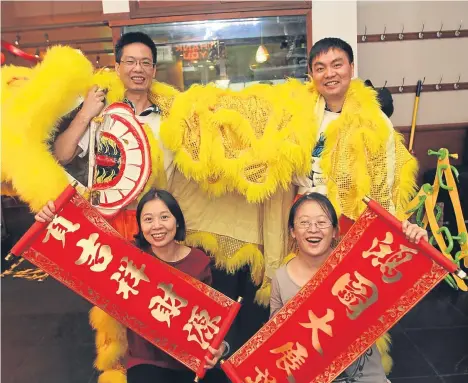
(232, 53)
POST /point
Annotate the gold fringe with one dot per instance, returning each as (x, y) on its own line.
(35, 274)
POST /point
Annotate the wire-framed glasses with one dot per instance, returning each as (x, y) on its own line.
(305, 224)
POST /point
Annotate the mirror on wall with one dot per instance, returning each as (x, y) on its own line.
(230, 53)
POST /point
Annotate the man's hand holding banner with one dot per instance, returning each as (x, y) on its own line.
(370, 281)
(172, 310)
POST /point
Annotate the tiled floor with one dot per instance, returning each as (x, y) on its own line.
(46, 337)
(430, 344)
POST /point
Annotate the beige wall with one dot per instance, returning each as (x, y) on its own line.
(391, 61)
(336, 19)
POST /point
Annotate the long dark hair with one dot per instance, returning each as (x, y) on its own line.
(173, 207)
(324, 203)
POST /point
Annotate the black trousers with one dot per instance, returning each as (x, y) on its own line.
(147, 373)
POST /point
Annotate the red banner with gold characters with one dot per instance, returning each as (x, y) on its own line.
(369, 282)
(172, 310)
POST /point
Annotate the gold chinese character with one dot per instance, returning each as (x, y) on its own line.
(90, 255)
(387, 258)
(58, 228)
(167, 307)
(127, 272)
(356, 293)
(262, 377)
(291, 359)
(205, 328)
(321, 324)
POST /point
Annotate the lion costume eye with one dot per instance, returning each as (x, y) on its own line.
(122, 162)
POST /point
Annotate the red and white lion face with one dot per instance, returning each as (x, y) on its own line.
(122, 161)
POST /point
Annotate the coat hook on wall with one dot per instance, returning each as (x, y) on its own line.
(383, 36)
(457, 32)
(439, 33)
(421, 34)
(456, 85)
(364, 38)
(401, 88)
(401, 36)
(439, 85)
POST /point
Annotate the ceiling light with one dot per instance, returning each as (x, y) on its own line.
(18, 38)
(262, 54)
(37, 53)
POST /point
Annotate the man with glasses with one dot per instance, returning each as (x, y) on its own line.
(135, 56)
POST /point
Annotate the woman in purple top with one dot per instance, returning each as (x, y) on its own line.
(161, 227)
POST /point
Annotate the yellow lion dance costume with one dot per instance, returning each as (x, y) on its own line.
(235, 152)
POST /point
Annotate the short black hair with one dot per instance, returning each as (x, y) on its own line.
(173, 207)
(324, 45)
(324, 203)
(135, 37)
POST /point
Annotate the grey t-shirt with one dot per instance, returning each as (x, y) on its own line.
(366, 369)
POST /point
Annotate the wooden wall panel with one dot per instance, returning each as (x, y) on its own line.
(19, 14)
(454, 140)
(175, 8)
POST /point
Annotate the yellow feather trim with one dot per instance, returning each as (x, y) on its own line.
(26, 125)
(157, 177)
(248, 254)
(383, 345)
(251, 141)
(99, 320)
(205, 240)
(108, 79)
(262, 296)
(109, 355)
(113, 376)
(7, 189)
(361, 134)
(13, 78)
(163, 96)
(111, 339)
